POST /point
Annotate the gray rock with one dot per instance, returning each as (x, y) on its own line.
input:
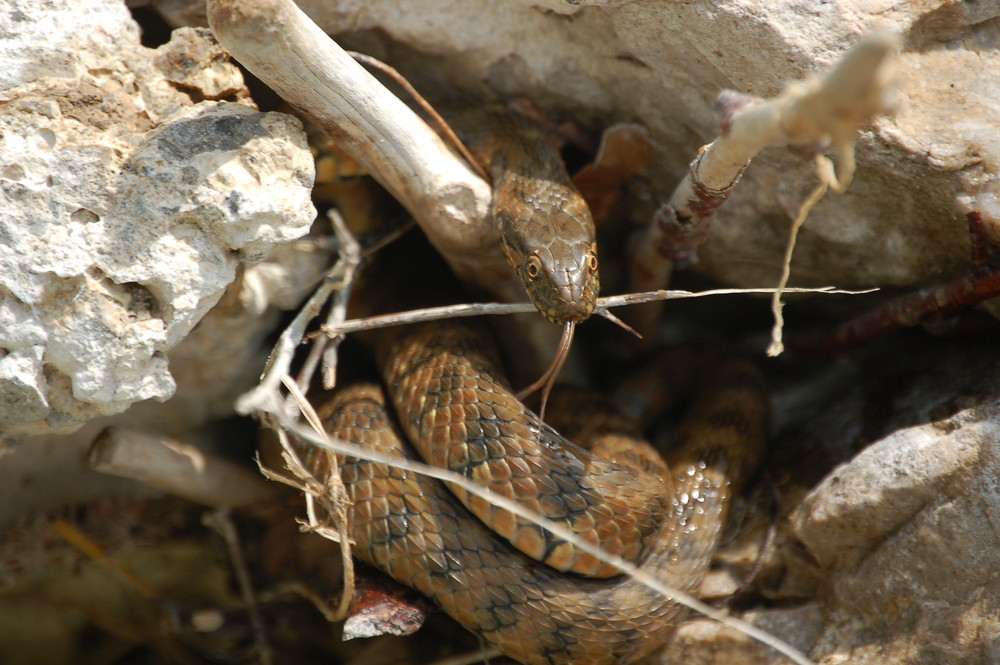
(902, 536)
(127, 207)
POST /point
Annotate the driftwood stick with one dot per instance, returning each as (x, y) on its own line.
(283, 47)
(178, 468)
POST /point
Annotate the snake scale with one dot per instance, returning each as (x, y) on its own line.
(535, 597)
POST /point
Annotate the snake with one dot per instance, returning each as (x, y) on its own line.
(537, 598)
(543, 224)
(442, 383)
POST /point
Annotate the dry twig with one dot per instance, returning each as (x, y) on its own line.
(604, 304)
(177, 468)
(266, 399)
(332, 499)
(336, 284)
(814, 113)
(981, 283)
(221, 521)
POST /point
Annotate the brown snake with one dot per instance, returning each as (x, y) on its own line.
(415, 530)
(543, 225)
(445, 386)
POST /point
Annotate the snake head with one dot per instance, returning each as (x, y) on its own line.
(553, 251)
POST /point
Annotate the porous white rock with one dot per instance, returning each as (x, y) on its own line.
(126, 206)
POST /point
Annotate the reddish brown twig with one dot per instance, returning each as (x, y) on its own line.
(808, 115)
(936, 302)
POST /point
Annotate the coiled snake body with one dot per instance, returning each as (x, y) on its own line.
(415, 530)
(538, 599)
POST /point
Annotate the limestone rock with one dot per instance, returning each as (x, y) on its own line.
(127, 206)
(706, 642)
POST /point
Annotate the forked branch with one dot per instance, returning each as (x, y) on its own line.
(811, 114)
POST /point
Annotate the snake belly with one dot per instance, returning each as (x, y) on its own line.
(414, 529)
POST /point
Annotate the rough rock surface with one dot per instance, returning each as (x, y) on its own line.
(903, 535)
(706, 642)
(128, 205)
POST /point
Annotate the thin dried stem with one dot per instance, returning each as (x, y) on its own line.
(336, 493)
(827, 179)
(471, 657)
(943, 300)
(603, 304)
(337, 280)
(351, 253)
(92, 550)
(443, 127)
(606, 313)
(221, 521)
(315, 492)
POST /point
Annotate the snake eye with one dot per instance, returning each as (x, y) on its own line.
(533, 267)
(592, 262)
